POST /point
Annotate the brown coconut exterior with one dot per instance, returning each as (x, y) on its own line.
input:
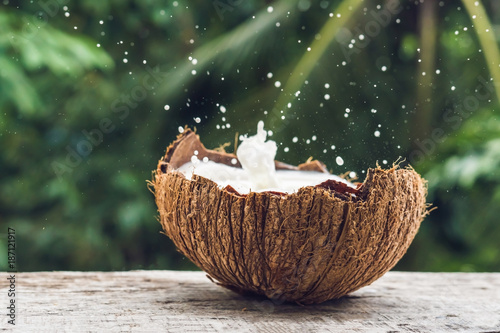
(317, 244)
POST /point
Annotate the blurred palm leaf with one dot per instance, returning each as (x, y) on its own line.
(34, 50)
(235, 45)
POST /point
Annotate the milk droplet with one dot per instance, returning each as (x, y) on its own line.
(286, 150)
(222, 109)
(269, 75)
(234, 161)
(197, 120)
(167, 107)
(327, 97)
(181, 129)
(339, 160)
(295, 139)
(377, 134)
(277, 84)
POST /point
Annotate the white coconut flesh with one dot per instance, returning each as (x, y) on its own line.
(258, 173)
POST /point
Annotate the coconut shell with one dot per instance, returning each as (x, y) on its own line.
(319, 243)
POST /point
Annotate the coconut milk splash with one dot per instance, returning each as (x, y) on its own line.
(256, 155)
(257, 159)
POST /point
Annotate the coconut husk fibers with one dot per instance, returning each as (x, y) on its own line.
(317, 244)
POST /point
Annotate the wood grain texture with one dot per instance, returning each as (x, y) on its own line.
(159, 301)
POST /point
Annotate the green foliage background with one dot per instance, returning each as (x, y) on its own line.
(68, 67)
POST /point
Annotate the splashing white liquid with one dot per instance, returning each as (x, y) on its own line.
(257, 159)
(258, 173)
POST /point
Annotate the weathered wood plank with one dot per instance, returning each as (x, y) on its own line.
(189, 302)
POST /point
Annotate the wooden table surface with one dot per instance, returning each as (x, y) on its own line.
(168, 301)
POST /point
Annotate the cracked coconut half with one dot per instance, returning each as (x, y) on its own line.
(298, 234)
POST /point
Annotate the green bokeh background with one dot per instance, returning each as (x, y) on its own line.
(139, 70)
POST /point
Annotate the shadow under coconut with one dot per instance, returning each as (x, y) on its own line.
(353, 306)
(359, 305)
